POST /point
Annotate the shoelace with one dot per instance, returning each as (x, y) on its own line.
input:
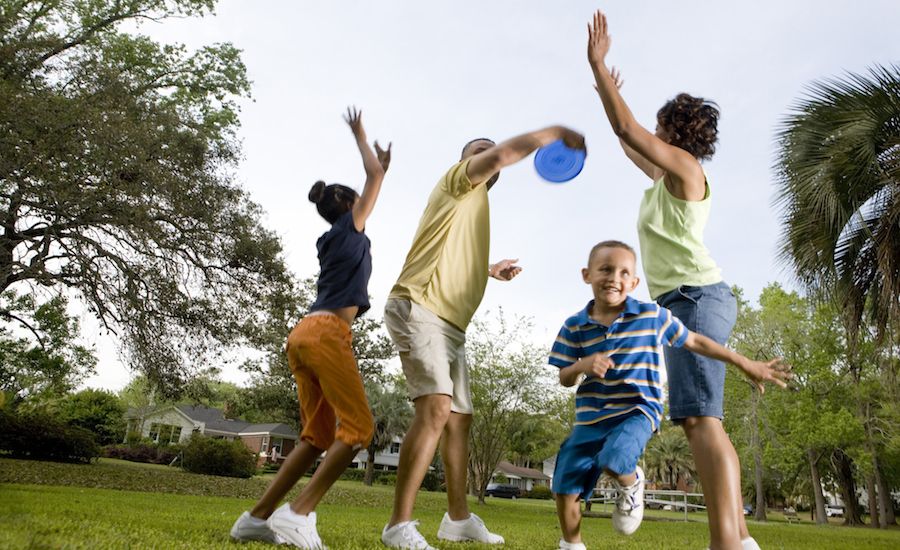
(626, 496)
(411, 533)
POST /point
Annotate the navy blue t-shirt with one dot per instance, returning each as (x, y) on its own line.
(345, 264)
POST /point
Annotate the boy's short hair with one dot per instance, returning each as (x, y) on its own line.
(611, 244)
(466, 146)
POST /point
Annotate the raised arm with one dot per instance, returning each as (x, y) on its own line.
(375, 167)
(758, 372)
(684, 171)
(485, 164)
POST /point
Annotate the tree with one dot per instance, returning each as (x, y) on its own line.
(838, 178)
(392, 413)
(116, 162)
(51, 363)
(668, 458)
(98, 411)
(509, 377)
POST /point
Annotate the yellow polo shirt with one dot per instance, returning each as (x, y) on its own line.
(446, 270)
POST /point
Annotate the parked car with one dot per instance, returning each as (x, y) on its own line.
(502, 491)
(834, 511)
(748, 509)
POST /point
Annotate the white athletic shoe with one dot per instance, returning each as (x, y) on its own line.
(405, 535)
(629, 511)
(296, 529)
(748, 543)
(248, 528)
(471, 529)
(563, 545)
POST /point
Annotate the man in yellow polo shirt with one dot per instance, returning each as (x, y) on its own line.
(428, 310)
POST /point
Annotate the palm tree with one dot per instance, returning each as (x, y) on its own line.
(668, 458)
(393, 413)
(839, 191)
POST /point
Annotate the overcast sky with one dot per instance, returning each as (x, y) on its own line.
(431, 75)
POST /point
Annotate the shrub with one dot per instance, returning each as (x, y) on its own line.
(432, 482)
(39, 436)
(541, 492)
(355, 474)
(218, 457)
(386, 479)
(143, 452)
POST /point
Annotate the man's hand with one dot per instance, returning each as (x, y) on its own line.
(354, 119)
(384, 156)
(596, 365)
(572, 139)
(599, 40)
(759, 372)
(504, 270)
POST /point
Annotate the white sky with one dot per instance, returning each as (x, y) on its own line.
(431, 75)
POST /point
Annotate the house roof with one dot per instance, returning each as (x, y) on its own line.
(215, 421)
(520, 472)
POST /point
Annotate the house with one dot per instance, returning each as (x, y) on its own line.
(523, 478)
(385, 460)
(176, 423)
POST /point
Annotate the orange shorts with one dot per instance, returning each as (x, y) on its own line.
(333, 403)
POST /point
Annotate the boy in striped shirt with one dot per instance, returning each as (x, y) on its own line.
(613, 344)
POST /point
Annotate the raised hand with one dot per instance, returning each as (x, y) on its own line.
(775, 371)
(504, 270)
(384, 156)
(354, 119)
(599, 39)
(617, 78)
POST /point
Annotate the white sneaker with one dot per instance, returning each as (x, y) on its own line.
(296, 529)
(629, 509)
(467, 530)
(748, 543)
(248, 528)
(563, 545)
(405, 535)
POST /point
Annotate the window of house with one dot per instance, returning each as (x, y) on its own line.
(154, 431)
(395, 448)
(265, 444)
(278, 444)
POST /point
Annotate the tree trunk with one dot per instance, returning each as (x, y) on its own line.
(370, 464)
(884, 498)
(818, 496)
(759, 514)
(872, 502)
(843, 468)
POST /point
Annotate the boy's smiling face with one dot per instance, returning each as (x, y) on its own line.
(611, 274)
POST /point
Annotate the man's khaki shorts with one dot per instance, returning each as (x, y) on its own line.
(432, 352)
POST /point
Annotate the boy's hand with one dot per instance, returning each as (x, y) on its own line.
(504, 270)
(384, 156)
(596, 365)
(354, 119)
(775, 371)
(572, 139)
(599, 40)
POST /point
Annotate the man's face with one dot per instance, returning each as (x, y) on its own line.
(611, 274)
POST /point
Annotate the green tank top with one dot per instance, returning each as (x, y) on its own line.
(671, 235)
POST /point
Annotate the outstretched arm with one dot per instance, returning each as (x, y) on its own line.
(758, 372)
(375, 167)
(683, 169)
(487, 163)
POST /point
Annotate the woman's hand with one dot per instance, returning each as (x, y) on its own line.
(599, 40)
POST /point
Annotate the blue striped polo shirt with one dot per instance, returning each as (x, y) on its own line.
(633, 341)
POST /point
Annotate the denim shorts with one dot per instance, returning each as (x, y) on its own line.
(696, 382)
(615, 445)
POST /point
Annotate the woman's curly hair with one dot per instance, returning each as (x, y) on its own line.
(691, 124)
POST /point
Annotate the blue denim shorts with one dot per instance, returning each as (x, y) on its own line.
(697, 383)
(615, 445)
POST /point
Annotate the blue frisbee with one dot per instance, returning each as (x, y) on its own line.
(557, 163)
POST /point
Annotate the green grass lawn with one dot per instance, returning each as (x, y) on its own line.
(113, 505)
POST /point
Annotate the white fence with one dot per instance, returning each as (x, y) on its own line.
(675, 499)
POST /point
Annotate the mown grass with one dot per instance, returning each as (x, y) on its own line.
(197, 514)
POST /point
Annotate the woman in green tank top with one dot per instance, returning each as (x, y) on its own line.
(683, 277)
